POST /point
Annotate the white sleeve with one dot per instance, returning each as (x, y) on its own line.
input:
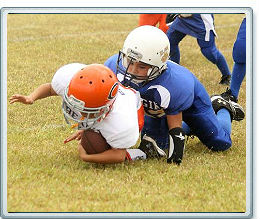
(138, 100)
(63, 75)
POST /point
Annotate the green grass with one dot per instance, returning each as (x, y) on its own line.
(44, 175)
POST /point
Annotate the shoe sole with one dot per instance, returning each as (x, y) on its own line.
(159, 150)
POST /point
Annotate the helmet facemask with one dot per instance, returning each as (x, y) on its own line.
(74, 110)
(125, 61)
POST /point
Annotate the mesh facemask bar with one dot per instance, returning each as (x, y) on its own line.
(122, 70)
(90, 115)
(153, 72)
(128, 77)
(84, 122)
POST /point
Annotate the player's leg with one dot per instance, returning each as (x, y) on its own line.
(210, 51)
(174, 37)
(212, 130)
(162, 23)
(221, 141)
(239, 69)
(149, 19)
(186, 128)
(157, 129)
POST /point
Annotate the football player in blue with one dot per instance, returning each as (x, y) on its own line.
(200, 26)
(175, 102)
(239, 68)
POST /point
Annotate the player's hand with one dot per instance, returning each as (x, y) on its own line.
(75, 136)
(176, 145)
(176, 156)
(20, 98)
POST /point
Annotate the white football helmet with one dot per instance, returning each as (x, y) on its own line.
(146, 44)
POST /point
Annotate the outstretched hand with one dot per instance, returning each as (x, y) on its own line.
(20, 98)
(74, 136)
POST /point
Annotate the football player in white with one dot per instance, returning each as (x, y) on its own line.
(94, 99)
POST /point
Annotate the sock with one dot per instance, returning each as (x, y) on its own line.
(135, 154)
(224, 119)
(238, 74)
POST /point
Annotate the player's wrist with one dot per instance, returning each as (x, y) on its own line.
(30, 99)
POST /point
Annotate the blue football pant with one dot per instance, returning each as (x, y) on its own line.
(239, 57)
(212, 130)
(208, 49)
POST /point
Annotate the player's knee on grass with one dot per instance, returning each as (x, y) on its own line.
(219, 144)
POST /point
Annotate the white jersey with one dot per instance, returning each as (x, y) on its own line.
(63, 75)
(120, 127)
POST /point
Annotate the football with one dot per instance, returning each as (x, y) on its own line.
(93, 142)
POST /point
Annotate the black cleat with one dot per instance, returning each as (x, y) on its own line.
(225, 79)
(235, 110)
(239, 112)
(150, 148)
(227, 95)
(170, 18)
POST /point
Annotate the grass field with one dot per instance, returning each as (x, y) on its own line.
(44, 175)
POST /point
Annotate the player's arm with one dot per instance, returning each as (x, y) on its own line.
(43, 91)
(107, 157)
(177, 138)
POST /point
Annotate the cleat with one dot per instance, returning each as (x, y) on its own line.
(225, 79)
(235, 110)
(227, 95)
(150, 148)
(239, 112)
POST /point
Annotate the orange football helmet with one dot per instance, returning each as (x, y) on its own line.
(91, 92)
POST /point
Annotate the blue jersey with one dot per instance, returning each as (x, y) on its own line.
(175, 90)
(197, 25)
